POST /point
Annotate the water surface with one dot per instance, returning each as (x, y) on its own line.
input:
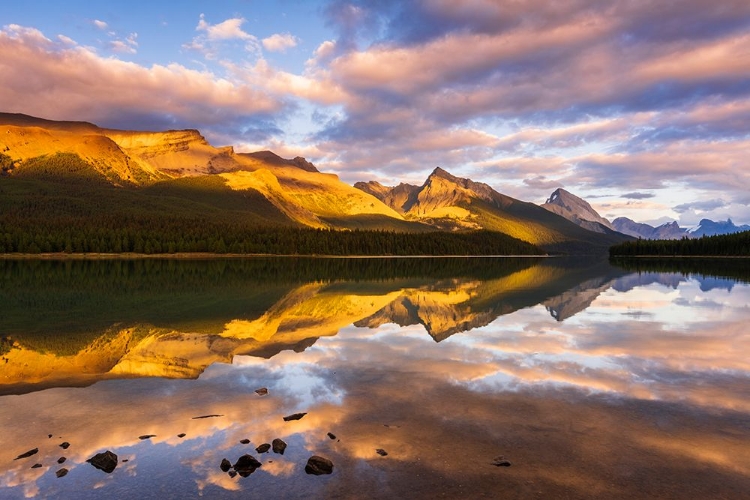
(590, 380)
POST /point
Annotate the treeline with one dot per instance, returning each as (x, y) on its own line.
(725, 245)
(157, 235)
(61, 204)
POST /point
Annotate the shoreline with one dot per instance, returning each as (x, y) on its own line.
(208, 255)
(679, 257)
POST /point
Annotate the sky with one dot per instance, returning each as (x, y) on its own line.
(640, 107)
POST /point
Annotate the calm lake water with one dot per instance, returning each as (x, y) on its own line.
(475, 378)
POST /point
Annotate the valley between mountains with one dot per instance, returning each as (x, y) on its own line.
(77, 188)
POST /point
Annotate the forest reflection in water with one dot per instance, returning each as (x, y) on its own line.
(591, 380)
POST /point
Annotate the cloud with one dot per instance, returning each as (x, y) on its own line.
(127, 46)
(212, 37)
(700, 206)
(638, 196)
(100, 24)
(541, 182)
(65, 80)
(225, 30)
(280, 42)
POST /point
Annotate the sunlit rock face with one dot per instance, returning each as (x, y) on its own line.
(295, 186)
(576, 210)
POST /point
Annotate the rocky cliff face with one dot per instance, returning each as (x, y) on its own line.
(577, 211)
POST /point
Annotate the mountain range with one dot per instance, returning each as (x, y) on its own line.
(580, 212)
(54, 172)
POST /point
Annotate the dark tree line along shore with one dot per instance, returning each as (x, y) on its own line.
(725, 245)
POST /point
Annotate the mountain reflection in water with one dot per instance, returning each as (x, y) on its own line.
(592, 380)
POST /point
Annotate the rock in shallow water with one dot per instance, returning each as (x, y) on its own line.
(318, 465)
(62, 472)
(261, 392)
(263, 448)
(65, 445)
(295, 416)
(27, 454)
(246, 465)
(106, 461)
(381, 452)
(278, 446)
(225, 465)
(500, 462)
(244, 441)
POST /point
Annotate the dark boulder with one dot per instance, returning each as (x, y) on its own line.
(278, 446)
(295, 416)
(106, 461)
(27, 454)
(263, 448)
(246, 465)
(225, 465)
(318, 465)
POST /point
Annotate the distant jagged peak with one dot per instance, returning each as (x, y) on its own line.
(575, 209)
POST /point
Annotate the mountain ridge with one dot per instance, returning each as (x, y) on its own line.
(296, 190)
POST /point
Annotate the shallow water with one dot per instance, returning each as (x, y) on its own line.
(590, 380)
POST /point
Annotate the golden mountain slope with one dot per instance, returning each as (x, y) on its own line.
(141, 158)
(450, 203)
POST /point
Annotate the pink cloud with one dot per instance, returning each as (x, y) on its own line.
(75, 82)
(279, 42)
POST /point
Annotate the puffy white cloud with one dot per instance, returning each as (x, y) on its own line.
(280, 42)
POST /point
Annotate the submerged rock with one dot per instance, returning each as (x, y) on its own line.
(263, 448)
(278, 446)
(106, 461)
(225, 465)
(500, 462)
(27, 454)
(318, 465)
(295, 416)
(246, 465)
(62, 472)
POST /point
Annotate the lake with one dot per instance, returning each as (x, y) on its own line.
(415, 377)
